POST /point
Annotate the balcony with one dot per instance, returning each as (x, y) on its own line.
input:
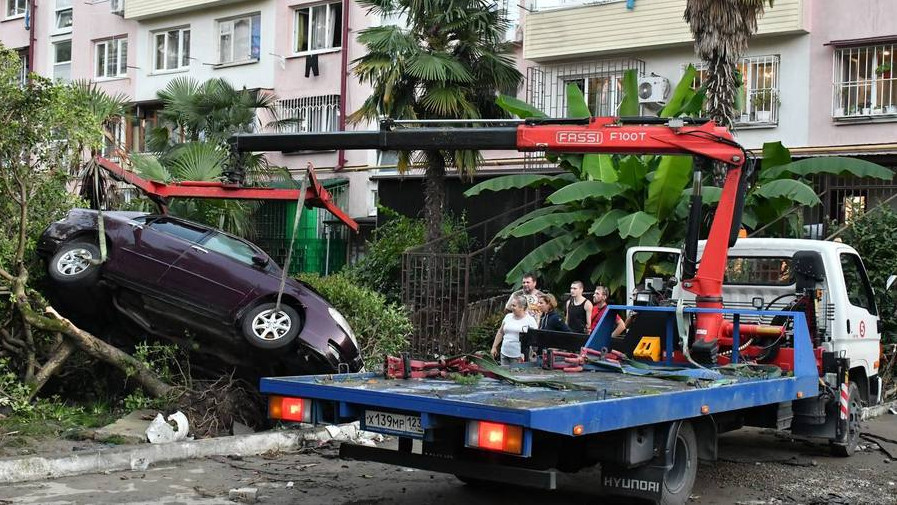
(576, 28)
(147, 9)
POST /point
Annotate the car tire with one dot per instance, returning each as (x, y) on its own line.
(75, 263)
(846, 447)
(264, 329)
(679, 480)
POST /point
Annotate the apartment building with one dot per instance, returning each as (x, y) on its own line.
(817, 75)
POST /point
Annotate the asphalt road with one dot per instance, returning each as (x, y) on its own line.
(756, 467)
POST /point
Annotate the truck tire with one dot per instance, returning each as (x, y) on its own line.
(679, 480)
(847, 447)
(75, 263)
(266, 330)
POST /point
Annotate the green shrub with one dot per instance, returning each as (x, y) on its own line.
(382, 327)
(481, 336)
(873, 237)
(381, 267)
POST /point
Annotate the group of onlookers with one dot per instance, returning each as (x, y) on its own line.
(530, 308)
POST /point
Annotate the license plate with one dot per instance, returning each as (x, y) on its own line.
(390, 422)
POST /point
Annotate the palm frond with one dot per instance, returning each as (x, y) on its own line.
(198, 161)
(148, 167)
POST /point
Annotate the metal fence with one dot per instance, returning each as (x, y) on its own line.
(441, 290)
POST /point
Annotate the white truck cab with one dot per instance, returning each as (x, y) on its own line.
(772, 273)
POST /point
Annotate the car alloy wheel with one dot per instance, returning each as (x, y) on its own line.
(269, 329)
(75, 263)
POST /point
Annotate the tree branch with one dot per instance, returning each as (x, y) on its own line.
(52, 366)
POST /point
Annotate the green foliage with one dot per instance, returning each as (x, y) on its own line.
(381, 327)
(381, 267)
(873, 237)
(481, 336)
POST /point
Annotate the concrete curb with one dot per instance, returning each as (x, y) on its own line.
(877, 410)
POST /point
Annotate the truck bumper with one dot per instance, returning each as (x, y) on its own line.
(474, 470)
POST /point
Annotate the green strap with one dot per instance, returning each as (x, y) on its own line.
(101, 225)
(300, 204)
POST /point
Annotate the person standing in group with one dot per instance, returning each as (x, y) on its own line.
(507, 339)
(599, 307)
(579, 309)
(550, 318)
(531, 294)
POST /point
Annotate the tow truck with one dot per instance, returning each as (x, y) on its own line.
(643, 408)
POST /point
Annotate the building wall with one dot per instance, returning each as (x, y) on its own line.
(12, 30)
(611, 27)
(204, 48)
(844, 20)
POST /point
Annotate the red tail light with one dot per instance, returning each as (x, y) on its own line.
(495, 437)
(289, 409)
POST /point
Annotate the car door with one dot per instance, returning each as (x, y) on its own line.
(859, 334)
(148, 251)
(216, 275)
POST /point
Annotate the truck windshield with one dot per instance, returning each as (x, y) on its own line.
(761, 270)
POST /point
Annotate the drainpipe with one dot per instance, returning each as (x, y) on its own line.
(32, 17)
(343, 82)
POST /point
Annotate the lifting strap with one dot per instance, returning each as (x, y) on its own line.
(101, 225)
(300, 204)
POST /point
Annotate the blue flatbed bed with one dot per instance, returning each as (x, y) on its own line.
(613, 400)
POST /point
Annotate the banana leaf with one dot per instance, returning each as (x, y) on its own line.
(582, 250)
(546, 253)
(635, 224)
(585, 189)
(556, 220)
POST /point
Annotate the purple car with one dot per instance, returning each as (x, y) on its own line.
(167, 274)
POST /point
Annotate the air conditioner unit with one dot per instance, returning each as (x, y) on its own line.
(653, 90)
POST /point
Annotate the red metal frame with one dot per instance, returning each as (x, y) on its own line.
(315, 195)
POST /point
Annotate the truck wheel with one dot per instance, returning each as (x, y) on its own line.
(679, 480)
(847, 447)
(266, 329)
(75, 263)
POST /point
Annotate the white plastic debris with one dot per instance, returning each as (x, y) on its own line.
(139, 464)
(893, 410)
(243, 494)
(159, 431)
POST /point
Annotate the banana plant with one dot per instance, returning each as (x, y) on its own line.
(603, 204)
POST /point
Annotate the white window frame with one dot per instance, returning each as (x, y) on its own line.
(614, 95)
(314, 113)
(183, 49)
(252, 19)
(102, 48)
(60, 64)
(861, 87)
(16, 8)
(761, 75)
(117, 7)
(61, 7)
(330, 27)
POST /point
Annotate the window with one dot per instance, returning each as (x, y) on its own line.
(238, 39)
(602, 93)
(859, 292)
(230, 247)
(309, 114)
(864, 82)
(62, 60)
(63, 15)
(117, 7)
(112, 58)
(180, 230)
(16, 8)
(759, 270)
(115, 138)
(318, 27)
(172, 49)
(23, 66)
(760, 93)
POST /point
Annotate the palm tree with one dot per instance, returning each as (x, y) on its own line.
(190, 144)
(721, 30)
(447, 62)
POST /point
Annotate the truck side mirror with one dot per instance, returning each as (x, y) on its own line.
(890, 283)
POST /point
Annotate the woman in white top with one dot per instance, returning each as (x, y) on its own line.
(508, 335)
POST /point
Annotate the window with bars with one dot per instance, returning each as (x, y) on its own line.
(863, 82)
(601, 82)
(115, 138)
(112, 58)
(759, 99)
(308, 114)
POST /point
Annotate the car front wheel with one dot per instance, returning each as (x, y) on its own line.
(75, 263)
(266, 329)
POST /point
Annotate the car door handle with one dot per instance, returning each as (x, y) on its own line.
(136, 226)
(199, 249)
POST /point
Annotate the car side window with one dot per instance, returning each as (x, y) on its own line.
(180, 230)
(859, 292)
(230, 247)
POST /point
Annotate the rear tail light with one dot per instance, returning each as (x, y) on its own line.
(495, 437)
(289, 409)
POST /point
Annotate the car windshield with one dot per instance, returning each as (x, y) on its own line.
(231, 247)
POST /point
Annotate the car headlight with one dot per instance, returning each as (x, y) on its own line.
(341, 321)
